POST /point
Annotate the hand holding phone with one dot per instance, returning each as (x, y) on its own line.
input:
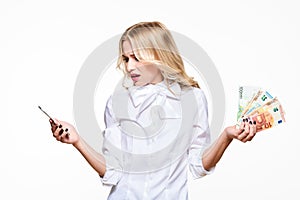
(54, 125)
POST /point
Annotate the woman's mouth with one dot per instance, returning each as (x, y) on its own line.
(135, 77)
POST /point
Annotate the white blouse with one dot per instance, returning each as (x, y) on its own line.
(153, 134)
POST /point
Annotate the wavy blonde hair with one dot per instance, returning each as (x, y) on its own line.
(153, 43)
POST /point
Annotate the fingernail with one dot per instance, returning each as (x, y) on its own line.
(66, 129)
(254, 122)
(61, 131)
(60, 126)
(250, 122)
(243, 120)
(246, 120)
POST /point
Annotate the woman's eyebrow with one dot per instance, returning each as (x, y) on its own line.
(130, 54)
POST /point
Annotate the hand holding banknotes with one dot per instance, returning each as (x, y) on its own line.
(259, 106)
(245, 132)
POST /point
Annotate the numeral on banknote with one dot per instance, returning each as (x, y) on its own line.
(260, 106)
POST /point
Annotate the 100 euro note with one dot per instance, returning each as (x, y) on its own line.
(267, 116)
(246, 95)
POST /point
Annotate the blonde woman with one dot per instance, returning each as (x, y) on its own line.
(150, 59)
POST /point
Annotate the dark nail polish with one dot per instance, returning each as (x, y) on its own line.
(246, 120)
(60, 126)
(61, 131)
(250, 122)
(66, 129)
(254, 122)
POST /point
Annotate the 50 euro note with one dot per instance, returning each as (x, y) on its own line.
(267, 116)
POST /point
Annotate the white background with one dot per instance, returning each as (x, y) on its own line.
(43, 45)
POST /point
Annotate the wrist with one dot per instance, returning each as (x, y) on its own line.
(226, 136)
(78, 143)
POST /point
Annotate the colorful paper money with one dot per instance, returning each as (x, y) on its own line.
(246, 94)
(260, 107)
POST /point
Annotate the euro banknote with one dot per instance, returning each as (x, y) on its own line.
(259, 107)
(246, 94)
(267, 116)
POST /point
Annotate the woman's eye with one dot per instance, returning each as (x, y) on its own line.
(125, 59)
(136, 59)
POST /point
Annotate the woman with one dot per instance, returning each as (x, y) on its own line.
(149, 57)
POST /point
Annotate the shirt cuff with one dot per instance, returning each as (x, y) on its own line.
(197, 169)
(111, 177)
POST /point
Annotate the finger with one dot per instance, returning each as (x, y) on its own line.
(254, 126)
(245, 133)
(61, 131)
(53, 126)
(52, 123)
(57, 132)
(242, 126)
(65, 135)
(247, 127)
(251, 134)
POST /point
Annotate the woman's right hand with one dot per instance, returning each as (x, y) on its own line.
(64, 132)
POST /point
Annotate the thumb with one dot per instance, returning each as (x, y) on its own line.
(56, 121)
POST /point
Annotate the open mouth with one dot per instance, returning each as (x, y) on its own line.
(135, 77)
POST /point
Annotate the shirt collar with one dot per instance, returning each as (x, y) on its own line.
(139, 94)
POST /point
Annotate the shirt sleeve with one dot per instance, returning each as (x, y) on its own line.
(113, 171)
(201, 137)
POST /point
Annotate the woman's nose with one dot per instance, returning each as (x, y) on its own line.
(131, 65)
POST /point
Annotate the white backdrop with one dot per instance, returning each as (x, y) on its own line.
(44, 44)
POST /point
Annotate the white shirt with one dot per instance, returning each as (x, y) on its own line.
(152, 137)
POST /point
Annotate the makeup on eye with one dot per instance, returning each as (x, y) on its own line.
(126, 58)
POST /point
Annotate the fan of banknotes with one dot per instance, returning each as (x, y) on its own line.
(260, 107)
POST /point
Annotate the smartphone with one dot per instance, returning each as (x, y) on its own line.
(67, 135)
(46, 114)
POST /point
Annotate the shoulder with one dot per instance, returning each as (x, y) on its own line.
(194, 98)
(200, 98)
(198, 93)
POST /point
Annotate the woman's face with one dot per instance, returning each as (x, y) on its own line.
(140, 73)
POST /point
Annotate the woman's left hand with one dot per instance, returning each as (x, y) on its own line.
(244, 133)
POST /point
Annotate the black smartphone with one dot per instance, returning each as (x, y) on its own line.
(46, 114)
(67, 135)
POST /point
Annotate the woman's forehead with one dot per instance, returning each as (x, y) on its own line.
(127, 48)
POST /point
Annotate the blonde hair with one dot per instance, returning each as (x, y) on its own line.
(153, 43)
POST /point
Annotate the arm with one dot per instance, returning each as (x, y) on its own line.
(213, 154)
(66, 133)
(95, 159)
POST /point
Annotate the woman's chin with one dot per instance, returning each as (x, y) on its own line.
(138, 83)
